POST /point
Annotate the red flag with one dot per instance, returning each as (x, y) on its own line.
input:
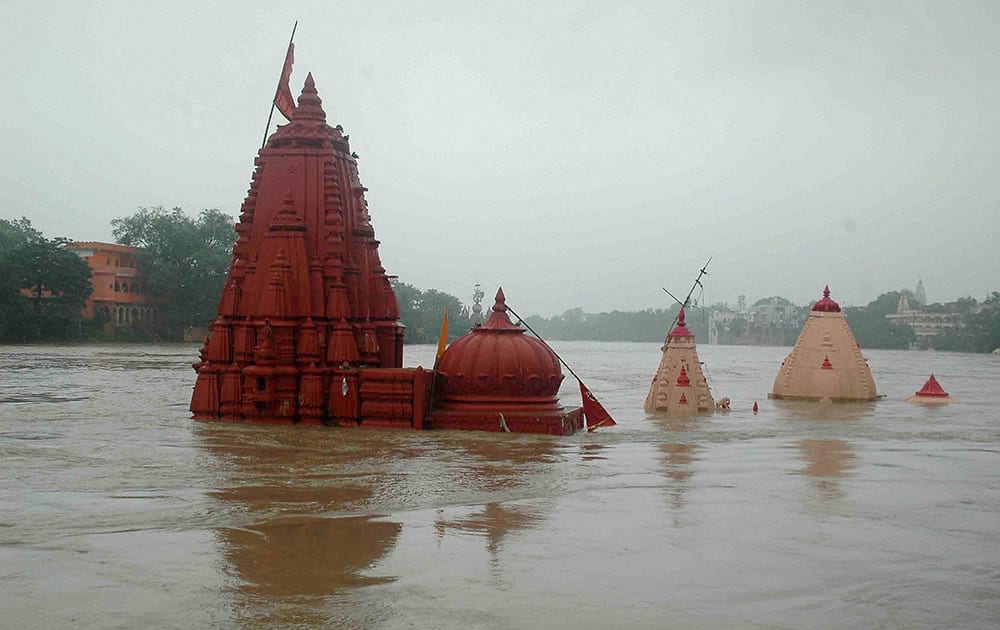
(596, 414)
(283, 98)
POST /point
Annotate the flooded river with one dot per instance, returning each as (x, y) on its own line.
(118, 511)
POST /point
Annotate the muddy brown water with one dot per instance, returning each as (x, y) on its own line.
(118, 511)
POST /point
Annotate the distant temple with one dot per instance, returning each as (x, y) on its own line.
(919, 296)
(308, 330)
(826, 363)
(679, 385)
(925, 324)
(476, 317)
(119, 290)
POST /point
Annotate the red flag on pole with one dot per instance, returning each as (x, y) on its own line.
(283, 98)
(596, 414)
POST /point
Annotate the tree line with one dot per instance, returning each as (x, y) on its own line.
(977, 329)
(42, 286)
(185, 262)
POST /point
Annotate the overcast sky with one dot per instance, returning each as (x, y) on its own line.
(580, 154)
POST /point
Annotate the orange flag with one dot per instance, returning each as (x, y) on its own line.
(597, 415)
(442, 340)
(283, 98)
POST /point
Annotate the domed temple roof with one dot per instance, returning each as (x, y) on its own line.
(499, 361)
(825, 304)
(826, 363)
(497, 370)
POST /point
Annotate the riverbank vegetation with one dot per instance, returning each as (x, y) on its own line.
(185, 262)
(42, 286)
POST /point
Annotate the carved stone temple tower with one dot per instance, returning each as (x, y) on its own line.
(679, 385)
(307, 302)
(826, 363)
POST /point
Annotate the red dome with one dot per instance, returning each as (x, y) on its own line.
(681, 330)
(497, 362)
(932, 388)
(826, 305)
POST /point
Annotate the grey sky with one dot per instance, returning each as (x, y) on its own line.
(581, 154)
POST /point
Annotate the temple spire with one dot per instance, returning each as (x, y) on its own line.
(310, 104)
(501, 302)
(500, 320)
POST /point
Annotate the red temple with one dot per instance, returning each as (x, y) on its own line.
(498, 378)
(308, 330)
(931, 392)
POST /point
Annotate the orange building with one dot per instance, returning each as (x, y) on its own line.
(119, 291)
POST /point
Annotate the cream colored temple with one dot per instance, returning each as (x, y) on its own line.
(679, 385)
(826, 363)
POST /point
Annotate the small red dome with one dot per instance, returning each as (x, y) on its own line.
(932, 388)
(497, 362)
(680, 330)
(826, 305)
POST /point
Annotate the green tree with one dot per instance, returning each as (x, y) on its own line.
(42, 285)
(14, 311)
(15, 233)
(873, 330)
(185, 261)
(982, 325)
(421, 313)
(774, 299)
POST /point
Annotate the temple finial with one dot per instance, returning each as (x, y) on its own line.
(501, 302)
(310, 104)
(825, 304)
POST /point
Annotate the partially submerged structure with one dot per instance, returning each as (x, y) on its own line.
(931, 393)
(308, 332)
(679, 385)
(498, 377)
(826, 363)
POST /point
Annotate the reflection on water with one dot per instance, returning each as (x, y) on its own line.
(282, 564)
(294, 552)
(824, 412)
(295, 489)
(493, 521)
(678, 456)
(826, 461)
(504, 463)
(501, 466)
(118, 511)
(677, 460)
(592, 452)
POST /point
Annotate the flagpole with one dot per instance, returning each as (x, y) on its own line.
(551, 349)
(697, 283)
(539, 337)
(274, 100)
(566, 365)
(442, 341)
